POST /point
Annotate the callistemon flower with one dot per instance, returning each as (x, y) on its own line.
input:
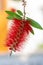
(13, 10)
(17, 33)
(19, 29)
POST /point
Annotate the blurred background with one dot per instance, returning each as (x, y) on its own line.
(32, 52)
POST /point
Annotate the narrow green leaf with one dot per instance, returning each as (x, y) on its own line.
(9, 12)
(17, 16)
(19, 12)
(30, 29)
(10, 17)
(32, 32)
(34, 23)
(13, 15)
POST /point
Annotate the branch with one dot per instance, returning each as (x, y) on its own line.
(24, 4)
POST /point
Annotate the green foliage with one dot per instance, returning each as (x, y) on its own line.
(13, 15)
(40, 46)
(19, 12)
(18, 15)
(32, 32)
(34, 23)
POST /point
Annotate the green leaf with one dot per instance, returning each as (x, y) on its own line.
(17, 16)
(9, 12)
(30, 29)
(10, 17)
(13, 15)
(34, 23)
(19, 12)
(32, 32)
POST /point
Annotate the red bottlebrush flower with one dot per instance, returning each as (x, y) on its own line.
(28, 27)
(13, 10)
(20, 28)
(17, 33)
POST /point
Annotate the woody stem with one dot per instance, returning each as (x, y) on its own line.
(24, 4)
(12, 49)
(11, 53)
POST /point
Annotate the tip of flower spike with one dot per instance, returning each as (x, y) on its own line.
(13, 10)
(10, 48)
